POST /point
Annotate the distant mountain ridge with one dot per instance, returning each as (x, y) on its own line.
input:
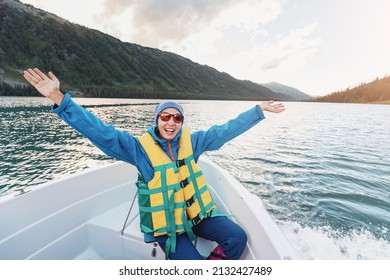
(377, 91)
(287, 90)
(99, 65)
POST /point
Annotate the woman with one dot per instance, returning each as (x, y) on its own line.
(175, 203)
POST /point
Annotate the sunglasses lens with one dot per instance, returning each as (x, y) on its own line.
(165, 117)
(177, 118)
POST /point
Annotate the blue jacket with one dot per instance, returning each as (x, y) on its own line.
(123, 146)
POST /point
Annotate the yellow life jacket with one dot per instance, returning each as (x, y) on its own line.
(177, 198)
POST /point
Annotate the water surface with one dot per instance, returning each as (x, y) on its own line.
(322, 170)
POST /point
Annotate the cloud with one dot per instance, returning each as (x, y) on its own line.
(286, 54)
(292, 51)
(153, 22)
(157, 23)
(249, 15)
(230, 35)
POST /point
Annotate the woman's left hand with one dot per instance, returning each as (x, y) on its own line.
(272, 107)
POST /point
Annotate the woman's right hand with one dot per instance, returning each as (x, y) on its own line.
(47, 86)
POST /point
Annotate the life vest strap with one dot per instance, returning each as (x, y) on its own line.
(174, 164)
(160, 231)
(151, 209)
(173, 187)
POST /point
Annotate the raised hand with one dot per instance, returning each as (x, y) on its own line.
(270, 106)
(47, 86)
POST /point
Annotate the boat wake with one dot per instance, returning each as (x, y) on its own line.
(325, 243)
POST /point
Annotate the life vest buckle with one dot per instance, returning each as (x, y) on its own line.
(180, 162)
(184, 183)
(195, 220)
(190, 201)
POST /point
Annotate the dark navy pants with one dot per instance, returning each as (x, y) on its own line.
(230, 236)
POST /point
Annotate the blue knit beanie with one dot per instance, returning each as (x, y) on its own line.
(167, 104)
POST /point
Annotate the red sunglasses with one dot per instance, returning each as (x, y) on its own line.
(165, 117)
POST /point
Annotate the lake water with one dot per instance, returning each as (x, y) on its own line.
(322, 170)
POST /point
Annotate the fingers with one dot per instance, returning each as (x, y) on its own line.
(40, 74)
(279, 108)
(275, 107)
(34, 76)
(29, 78)
(52, 76)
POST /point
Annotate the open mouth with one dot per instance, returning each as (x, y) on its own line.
(170, 131)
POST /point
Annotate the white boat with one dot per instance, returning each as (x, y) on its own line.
(94, 215)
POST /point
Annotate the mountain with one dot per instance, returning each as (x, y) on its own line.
(377, 91)
(293, 93)
(99, 65)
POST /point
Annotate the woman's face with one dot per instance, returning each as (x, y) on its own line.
(168, 129)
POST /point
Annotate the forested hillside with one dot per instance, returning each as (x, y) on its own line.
(377, 91)
(100, 65)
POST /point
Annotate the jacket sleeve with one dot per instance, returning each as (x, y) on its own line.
(216, 136)
(112, 142)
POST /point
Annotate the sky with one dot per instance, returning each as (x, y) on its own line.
(318, 47)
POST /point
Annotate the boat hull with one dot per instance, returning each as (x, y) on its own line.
(83, 216)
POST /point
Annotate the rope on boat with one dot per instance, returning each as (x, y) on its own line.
(128, 214)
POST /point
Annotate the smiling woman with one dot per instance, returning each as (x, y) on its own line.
(169, 123)
(174, 199)
(168, 118)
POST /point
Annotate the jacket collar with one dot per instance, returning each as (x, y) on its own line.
(153, 131)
